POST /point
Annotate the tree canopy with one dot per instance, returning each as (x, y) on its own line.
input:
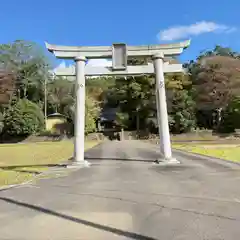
(205, 95)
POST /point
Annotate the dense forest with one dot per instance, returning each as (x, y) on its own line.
(205, 96)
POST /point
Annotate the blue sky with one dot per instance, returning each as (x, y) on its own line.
(95, 22)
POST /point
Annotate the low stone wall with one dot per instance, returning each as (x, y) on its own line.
(134, 135)
(53, 138)
(206, 135)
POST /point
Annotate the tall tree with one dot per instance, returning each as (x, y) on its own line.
(29, 65)
(60, 94)
(91, 113)
(133, 95)
(98, 87)
(7, 86)
(219, 51)
(182, 112)
(216, 79)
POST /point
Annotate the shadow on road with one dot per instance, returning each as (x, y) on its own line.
(119, 232)
(120, 159)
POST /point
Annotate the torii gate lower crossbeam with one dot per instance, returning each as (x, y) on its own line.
(157, 54)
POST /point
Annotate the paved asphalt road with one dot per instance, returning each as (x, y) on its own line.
(123, 195)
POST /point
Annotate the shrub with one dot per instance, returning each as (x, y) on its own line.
(23, 118)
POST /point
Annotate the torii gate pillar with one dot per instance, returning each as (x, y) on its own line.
(79, 133)
(162, 115)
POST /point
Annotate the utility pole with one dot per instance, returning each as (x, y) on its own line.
(45, 100)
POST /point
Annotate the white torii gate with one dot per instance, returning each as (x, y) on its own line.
(119, 53)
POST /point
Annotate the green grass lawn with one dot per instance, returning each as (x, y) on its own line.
(20, 162)
(224, 151)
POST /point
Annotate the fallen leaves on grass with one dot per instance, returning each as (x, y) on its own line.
(231, 153)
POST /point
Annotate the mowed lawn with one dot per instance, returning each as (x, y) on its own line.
(229, 152)
(20, 162)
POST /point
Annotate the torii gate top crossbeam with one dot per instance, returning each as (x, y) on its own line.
(91, 52)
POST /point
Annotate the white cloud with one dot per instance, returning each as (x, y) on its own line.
(99, 63)
(91, 62)
(60, 65)
(179, 32)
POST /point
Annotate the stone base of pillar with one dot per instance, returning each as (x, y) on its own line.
(162, 161)
(79, 164)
